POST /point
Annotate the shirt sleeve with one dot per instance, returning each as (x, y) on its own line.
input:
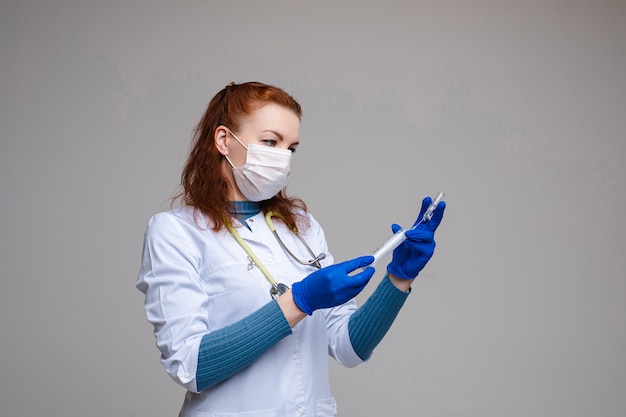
(226, 351)
(369, 324)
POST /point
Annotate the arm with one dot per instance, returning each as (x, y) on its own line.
(369, 324)
(226, 351)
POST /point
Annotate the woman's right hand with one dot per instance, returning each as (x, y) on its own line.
(332, 286)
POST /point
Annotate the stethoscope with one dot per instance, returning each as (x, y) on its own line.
(277, 288)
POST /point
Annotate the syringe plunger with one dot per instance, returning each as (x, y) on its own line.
(431, 209)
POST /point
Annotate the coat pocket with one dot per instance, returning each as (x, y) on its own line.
(326, 407)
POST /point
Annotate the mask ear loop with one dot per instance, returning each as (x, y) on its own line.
(228, 160)
(237, 139)
(240, 142)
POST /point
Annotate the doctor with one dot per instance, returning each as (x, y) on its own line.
(244, 296)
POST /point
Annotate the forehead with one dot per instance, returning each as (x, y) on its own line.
(274, 117)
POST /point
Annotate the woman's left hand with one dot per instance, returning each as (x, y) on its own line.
(414, 253)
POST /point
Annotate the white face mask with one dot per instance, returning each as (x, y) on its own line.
(265, 172)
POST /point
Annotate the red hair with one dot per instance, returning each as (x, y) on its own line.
(204, 187)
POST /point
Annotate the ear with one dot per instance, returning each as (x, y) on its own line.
(221, 139)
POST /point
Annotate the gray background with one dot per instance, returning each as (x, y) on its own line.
(517, 109)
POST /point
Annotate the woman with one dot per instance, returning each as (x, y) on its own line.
(240, 322)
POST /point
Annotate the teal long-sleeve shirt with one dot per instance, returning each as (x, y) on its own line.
(226, 351)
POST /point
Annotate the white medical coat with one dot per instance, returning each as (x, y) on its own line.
(196, 281)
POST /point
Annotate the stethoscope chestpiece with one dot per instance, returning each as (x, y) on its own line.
(278, 290)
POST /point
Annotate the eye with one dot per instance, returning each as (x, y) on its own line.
(269, 142)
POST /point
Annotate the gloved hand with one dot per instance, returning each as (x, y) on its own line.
(332, 286)
(414, 253)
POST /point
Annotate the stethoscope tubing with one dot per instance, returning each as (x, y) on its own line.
(315, 261)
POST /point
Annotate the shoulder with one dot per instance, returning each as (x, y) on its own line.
(178, 223)
(180, 217)
(308, 224)
(178, 233)
(305, 220)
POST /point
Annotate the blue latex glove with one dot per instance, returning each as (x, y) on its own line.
(414, 253)
(332, 286)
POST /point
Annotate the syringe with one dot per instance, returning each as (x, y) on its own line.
(400, 236)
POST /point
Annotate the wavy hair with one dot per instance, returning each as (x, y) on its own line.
(203, 185)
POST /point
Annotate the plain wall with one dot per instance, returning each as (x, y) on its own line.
(516, 109)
